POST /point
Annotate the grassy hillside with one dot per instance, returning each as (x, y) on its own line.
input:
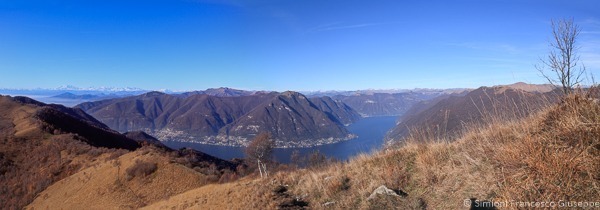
(451, 116)
(129, 181)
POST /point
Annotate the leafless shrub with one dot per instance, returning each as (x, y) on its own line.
(261, 151)
(563, 60)
(140, 169)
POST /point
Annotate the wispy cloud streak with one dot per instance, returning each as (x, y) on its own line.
(340, 26)
(234, 3)
(503, 47)
(590, 55)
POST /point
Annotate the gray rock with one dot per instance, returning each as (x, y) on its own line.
(329, 203)
(382, 190)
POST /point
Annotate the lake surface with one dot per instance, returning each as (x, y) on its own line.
(370, 133)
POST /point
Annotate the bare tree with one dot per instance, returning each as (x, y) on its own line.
(295, 158)
(261, 150)
(562, 59)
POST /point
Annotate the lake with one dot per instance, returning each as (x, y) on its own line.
(370, 131)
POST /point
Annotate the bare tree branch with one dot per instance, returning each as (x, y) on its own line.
(562, 59)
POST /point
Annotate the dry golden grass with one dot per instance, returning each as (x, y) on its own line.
(242, 194)
(558, 159)
(108, 186)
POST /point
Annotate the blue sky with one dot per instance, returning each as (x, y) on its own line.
(283, 44)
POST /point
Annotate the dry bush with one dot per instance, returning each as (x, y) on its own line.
(228, 176)
(215, 170)
(338, 184)
(316, 160)
(140, 169)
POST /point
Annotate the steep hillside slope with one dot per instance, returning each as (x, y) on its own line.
(336, 109)
(209, 119)
(449, 116)
(41, 144)
(427, 104)
(296, 118)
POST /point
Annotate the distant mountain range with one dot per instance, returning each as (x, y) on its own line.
(75, 88)
(390, 91)
(85, 97)
(221, 92)
(232, 118)
(70, 96)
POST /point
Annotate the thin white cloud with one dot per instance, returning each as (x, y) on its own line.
(591, 22)
(234, 3)
(506, 60)
(591, 60)
(590, 32)
(340, 26)
(488, 46)
(590, 54)
(590, 27)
